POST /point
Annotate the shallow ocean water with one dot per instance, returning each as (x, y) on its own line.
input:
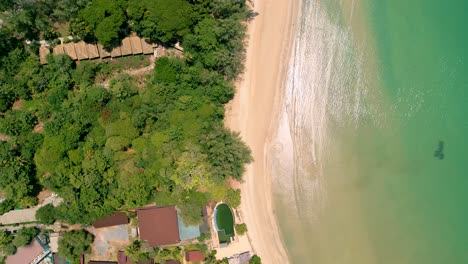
(370, 164)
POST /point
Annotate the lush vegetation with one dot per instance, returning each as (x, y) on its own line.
(6, 245)
(74, 243)
(24, 236)
(255, 260)
(241, 229)
(158, 140)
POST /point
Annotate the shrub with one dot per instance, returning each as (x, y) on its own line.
(241, 229)
(46, 214)
(24, 236)
(204, 236)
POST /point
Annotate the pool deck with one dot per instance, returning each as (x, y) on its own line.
(239, 245)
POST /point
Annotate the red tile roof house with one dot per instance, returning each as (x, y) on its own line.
(158, 225)
(193, 256)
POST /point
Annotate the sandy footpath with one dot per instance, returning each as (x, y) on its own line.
(253, 112)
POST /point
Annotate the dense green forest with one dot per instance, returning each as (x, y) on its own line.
(132, 142)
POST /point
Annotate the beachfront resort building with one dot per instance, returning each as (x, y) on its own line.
(158, 225)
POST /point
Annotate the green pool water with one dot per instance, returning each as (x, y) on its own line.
(224, 222)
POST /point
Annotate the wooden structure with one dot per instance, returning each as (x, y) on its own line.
(43, 52)
(81, 50)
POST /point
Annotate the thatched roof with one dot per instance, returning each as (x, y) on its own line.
(92, 51)
(59, 50)
(126, 47)
(116, 52)
(70, 50)
(147, 48)
(81, 50)
(102, 52)
(136, 45)
(43, 52)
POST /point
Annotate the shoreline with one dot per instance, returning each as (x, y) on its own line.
(254, 112)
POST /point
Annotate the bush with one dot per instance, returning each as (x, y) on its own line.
(46, 214)
(74, 243)
(255, 260)
(6, 206)
(241, 229)
(233, 198)
(24, 236)
(204, 236)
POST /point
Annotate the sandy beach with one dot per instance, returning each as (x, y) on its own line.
(254, 111)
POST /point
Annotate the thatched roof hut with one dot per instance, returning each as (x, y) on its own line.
(136, 45)
(116, 52)
(102, 52)
(58, 50)
(70, 50)
(81, 50)
(147, 48)
(93, 52)
(126, 47)
(43, 52)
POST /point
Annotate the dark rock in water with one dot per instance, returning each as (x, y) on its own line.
(439, 153)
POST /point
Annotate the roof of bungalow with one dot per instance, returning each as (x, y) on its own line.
(136, 45)
(147, 47)
(126, 47)
(81, 50)
(26, 254)
(116, 52)
(43, 52)
(70, 50)
(59, 49)
(158, 225)
(194, 255)
(103, 53)
(93, 52)
(117, 218)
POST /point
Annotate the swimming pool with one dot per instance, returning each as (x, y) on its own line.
(224, 223)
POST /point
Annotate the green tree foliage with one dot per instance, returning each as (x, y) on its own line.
(255, 260)
(204, 236)
(241, 229)
(74, 243)
(233, 198)
(24, 236)
(6, 245)
(103, 19)
(102, 150)
(46, 214)
(6, 206)
(163, 20)
(16, 175)
(135, 252)
(226, 152)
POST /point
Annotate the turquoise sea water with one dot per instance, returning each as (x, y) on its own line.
(375, 89)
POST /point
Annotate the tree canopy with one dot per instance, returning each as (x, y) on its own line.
(138, 140)
(74, 243)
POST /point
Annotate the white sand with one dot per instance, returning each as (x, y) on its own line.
(254, 111)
